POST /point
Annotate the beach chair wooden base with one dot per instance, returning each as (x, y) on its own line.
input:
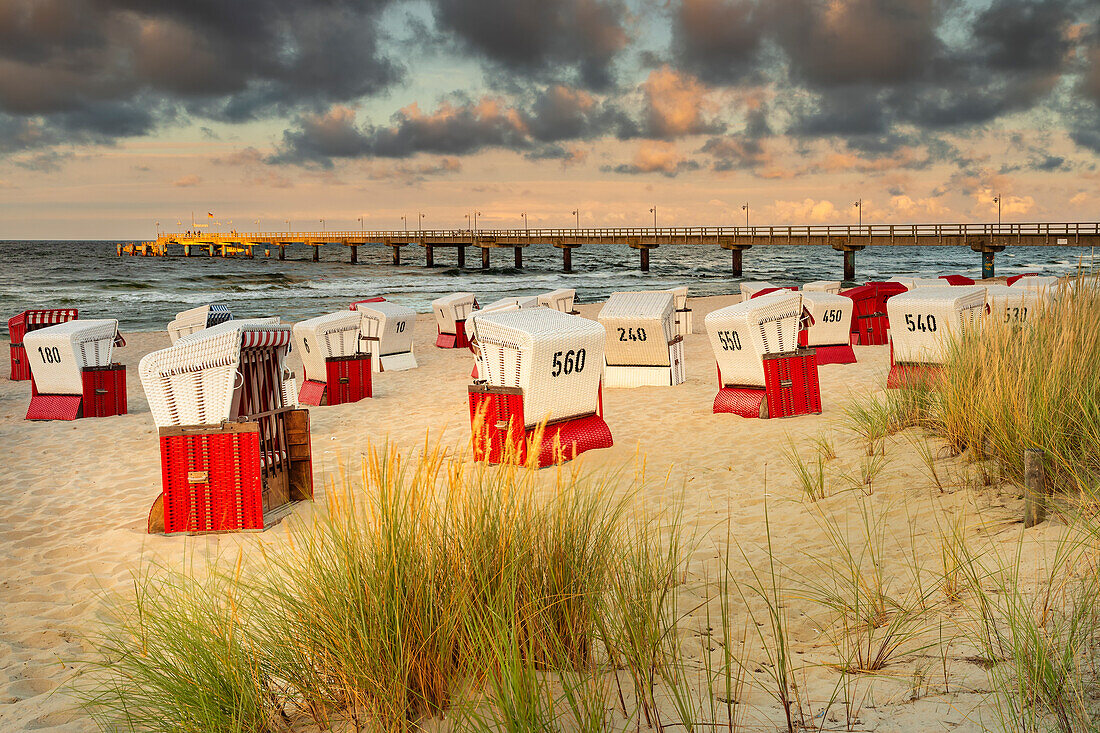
(104, 395)
(912, 375)
(835, 354)
(218, 478)
(791, 389)
(20, 367)
(499, 435)
(457, 340)
(349, 380)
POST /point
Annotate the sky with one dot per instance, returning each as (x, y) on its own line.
(119, 117)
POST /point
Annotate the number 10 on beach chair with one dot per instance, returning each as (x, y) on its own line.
(538, 400)
(761, 372)
(235, 452)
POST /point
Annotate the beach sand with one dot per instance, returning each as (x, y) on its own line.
(75, 496)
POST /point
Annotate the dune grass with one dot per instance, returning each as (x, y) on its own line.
(422, 582)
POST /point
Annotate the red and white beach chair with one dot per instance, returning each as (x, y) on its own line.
(829, 328)
(451, 312)
(22, 324)
(561, 299)
(386, 333)
(72, 374)
(923, 323)
(337, 371)
(541, 376)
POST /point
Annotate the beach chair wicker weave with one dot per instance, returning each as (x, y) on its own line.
(560, 300)
(69, 364)
(761, 372)
(643, 348)
(924, 322)
(20, 325)
(1013, 305)
(386, 332)
(233, 448)
(451, 312)
(336, 371)
(831, 324)
(751, 287)
(196, 319)
(540, 381)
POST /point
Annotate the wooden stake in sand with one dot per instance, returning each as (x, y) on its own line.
(1035, 493)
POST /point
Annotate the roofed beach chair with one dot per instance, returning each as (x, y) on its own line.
(830, 327)
(22, 324)
(540, 375)
(561, 299)
(923, 323)
(751, 287)
(822, 286)
(196, 319)
(957, 279)
(497, 306)
(235, 450)
(870, 321)
(451, 312)
(643, 348)
(1013, 305)
(761, 371)
(387, 330)
(72, 374)
(337, 371)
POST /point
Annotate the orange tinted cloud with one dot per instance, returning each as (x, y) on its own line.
(677, 104)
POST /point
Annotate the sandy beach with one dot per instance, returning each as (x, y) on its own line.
(76, 495)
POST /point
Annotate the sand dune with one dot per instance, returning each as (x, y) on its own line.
(75, 496)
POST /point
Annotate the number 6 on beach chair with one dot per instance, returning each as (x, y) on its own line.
(451, 312)
(234, 450)
(539, 396)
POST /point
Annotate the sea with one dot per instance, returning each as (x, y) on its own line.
(145, 293)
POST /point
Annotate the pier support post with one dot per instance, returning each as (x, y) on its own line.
(567, 259)
(354, 254)
(397, 255)
(484, 258)
(461, 256)
(643, 251)
(282, 251)
(987, 251)
(316, 253)
(429, 256)
(187, 250)
(849, 252)
(251, 252)
(519, 258)
(736, 257)
(210, 249)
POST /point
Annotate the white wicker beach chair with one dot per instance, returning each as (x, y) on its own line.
(930, 282)
(751, 287)
(196, 319)
(560, 300)
(822, 286)
(832, 318)
(1045, 284)
(923, 321)
(507, 304)
(682, 313)
(643, 348)
(452, 308)
(1013, 305)
(908, 282)
(388, 329)
(741, 334)
(317, 339)
(56, 354)
(200, 380)
(555, 358)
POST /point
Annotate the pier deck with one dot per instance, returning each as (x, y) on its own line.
(986, 239)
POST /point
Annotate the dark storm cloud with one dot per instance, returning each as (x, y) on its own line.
(540, 37)
(718, 40)
(102, 69)
(459, 127)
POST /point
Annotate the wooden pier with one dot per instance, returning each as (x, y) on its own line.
(986, 239)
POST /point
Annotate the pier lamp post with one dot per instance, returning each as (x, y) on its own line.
(405, 224)
(420, 220)
(322, 225)
(469, 226)
(745, 208)
(158, 228)
(526, 229)
(287, 224)
(476, 215)
(859, 207)
(577, 213)
(257, 225)
(997, 200)
(360, 225)
(654, 212)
